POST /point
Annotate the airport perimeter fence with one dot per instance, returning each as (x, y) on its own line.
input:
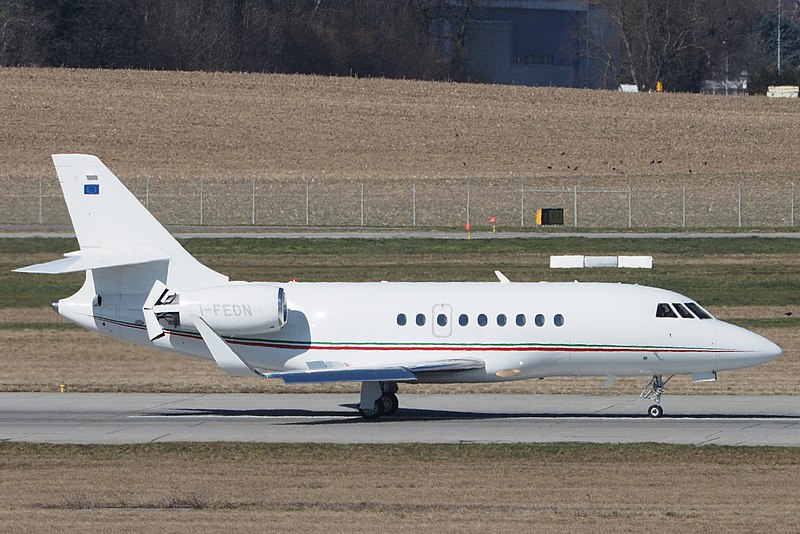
(644, 202)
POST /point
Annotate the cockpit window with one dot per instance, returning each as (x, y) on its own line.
(686, 314)
(698, 311)
(665, 310)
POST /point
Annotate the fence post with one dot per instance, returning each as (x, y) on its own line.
(308, 216)
(630, 215)
(253, 219)
(40, 201)
(791, 208)
(683, 206)
(467, 200)
(522, 206)
(362, 202)
(575, 204)
(201, 202)
(740, 204)
(414, 204)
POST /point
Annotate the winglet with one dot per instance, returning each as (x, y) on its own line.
(229, 361)
(502, 278)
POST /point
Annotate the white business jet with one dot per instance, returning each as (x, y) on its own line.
(143, 287)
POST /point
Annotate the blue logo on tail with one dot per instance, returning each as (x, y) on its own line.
(91, 189)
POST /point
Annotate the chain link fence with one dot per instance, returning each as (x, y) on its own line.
(646, 202)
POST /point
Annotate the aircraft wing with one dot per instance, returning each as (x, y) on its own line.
(233, 364)
(395, 373)
(82, 260)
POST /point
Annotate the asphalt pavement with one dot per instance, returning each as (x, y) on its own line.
(115, 418)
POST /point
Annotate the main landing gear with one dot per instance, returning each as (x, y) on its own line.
(377, 399)
(653, 391)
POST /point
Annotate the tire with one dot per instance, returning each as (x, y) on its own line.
(655, 411)
(374, 413)
(390, 403)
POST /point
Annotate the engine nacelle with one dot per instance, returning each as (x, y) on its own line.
(231, 309)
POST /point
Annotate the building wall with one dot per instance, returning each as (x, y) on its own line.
(530, 42)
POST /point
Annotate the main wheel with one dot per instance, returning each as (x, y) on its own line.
(371, 414)
(390, 403)
(655, 411)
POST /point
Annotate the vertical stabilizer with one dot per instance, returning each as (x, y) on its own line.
(111, 223)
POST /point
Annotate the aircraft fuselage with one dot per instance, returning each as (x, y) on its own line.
(520, 330)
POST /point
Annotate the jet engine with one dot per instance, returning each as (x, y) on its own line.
(232, 309)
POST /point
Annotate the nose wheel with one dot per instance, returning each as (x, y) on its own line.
(653, 391)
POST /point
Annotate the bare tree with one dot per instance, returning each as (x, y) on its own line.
(21, 25)
(659, 40)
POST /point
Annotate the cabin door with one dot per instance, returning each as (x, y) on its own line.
(442, 320)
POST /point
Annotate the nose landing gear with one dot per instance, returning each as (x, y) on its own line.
(653, 391)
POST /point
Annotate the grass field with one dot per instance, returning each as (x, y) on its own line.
(406, 488)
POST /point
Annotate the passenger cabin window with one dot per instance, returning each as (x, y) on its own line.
(539, 319)
(686, 314)
(401, 319)
(558, 320)
(482, 320)
(463, 320)
(420, 319)
(665, 310)
(501, 320)
(520, 319)
(441, 319)
(698, 311)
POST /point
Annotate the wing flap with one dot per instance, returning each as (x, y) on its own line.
(462, 364)
(349, 374)
(393, 373)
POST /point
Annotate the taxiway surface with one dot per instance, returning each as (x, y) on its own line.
(112, 418)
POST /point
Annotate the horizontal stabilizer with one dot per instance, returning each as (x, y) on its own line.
(83, 260)
(114, 229)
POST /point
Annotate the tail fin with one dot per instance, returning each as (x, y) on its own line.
(115, 230)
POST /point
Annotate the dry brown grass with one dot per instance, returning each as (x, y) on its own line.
(50, 353)
(244, 488)
(200, 124)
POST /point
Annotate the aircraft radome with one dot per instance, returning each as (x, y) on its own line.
(142, 286)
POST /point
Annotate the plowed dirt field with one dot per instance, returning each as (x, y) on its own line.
(188, 124)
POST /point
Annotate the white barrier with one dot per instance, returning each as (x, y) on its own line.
(566, 262)
(783, 91)
(635, 262)
(600, 261)
(617, 262)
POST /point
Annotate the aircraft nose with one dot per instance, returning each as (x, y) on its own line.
(764, 348)
(746, 348)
